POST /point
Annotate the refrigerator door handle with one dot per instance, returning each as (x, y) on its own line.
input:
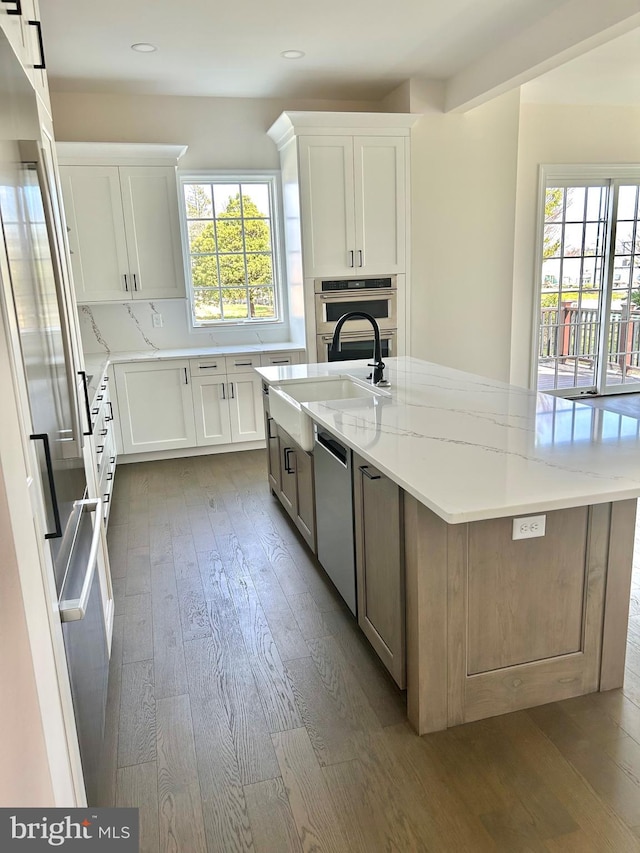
(71, 610)
(87, 406)
(44, 438)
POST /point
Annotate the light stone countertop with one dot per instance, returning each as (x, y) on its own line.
(471, 448)
(97, 363)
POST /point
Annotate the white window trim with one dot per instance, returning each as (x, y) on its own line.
(280, 291)
(564, 174)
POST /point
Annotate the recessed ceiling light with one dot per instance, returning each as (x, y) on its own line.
(144, 47)
(292, 54)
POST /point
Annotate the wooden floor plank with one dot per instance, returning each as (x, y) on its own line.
(179, 798)
(218, 667)
(273, 681)
(168, 652)
(137, 787)
(160, 547)
(109, 752)
(308, 617)
(272, 823)
(185, 560)
(286, 634)
(138, 571)
(193, 609)
(137, 730)
(311, 806)
(225, 815)
(138, 628)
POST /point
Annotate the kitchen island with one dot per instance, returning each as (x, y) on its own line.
(496, 623)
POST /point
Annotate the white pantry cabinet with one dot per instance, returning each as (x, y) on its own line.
(124, 230)
(353, 201)
(155, 405)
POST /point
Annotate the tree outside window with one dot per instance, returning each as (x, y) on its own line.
(231, 248)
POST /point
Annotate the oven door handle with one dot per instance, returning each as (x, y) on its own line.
(73, 609)
(355, 295)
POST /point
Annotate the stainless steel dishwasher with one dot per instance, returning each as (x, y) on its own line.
(334, 513)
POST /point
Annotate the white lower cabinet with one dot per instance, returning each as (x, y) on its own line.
(156, 405)
(167, 405)
(228, 408)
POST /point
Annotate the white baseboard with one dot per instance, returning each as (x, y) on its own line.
(124, 458)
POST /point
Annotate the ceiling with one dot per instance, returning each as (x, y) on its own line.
(355, 49)
(609, 74)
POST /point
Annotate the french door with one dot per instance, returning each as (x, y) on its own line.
(588, 322)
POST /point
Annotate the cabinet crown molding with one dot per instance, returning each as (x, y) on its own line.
(118, 153)
(290, 124)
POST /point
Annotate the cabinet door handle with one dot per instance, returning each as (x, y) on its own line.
(113, 459)
(351, 254)
(360, 258)
(269, 422)
(99, 449)
(17, 10)
(186, 376)
(280, 361)
(207, 367)
(243, 363)
(86, 402)
(110, 416)
(367, 473)
(135, 281)
(103, 432)
(40, 65)
(126, 282)
(110, 475)
(233, 393)
(44, 438)
(224, 395)
(287, 467)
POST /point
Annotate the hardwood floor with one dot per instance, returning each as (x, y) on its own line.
(247, 712)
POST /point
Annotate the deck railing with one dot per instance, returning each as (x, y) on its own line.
(570, 332)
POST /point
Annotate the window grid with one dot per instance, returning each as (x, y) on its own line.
(252, 290)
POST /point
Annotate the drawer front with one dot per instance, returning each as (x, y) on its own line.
(242, 363)
(278, 359)
(207, 366)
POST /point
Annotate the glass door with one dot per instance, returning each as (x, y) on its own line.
(589, 311)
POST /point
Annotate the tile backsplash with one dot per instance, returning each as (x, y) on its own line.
(128, 326)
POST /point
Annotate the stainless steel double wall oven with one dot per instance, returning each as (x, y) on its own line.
(377, 296)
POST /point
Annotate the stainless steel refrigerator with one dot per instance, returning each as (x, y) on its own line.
(29, 237)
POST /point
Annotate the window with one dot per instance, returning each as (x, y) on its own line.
(588, 325)
(232, 243)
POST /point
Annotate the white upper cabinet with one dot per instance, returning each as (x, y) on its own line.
(352, 176)
(124, 230)
(354, 199)
(20, 22)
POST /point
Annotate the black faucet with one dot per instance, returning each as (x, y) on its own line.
(378, 364)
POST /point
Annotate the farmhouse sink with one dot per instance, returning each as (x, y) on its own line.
(286, 399)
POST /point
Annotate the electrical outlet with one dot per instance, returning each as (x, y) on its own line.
(157, 321)
(529, 527)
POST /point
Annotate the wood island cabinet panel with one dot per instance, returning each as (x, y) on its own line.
(305, 502)
(380, 565)
(287, 472)
(526, 596)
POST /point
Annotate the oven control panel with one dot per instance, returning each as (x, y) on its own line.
(353, 284)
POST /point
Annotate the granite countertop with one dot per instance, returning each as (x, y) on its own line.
(471, 448)
(97, 363)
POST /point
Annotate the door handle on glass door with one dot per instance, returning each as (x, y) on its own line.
(44, 438)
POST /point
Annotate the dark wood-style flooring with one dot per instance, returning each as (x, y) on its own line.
(246, 711)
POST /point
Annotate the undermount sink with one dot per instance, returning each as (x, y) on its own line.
(285, 402)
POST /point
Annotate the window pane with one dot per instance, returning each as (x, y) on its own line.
(596, 203)
(256, 199)
(553, 203)
(552, 241)
(262, 302)
(234, 303)
(201, 237)
(204, 271)
(232, 269)
(257, 235)
(627, 201)
(624, 238)
(197, 199)
(572, 240)
(550, 274)
(230, 235)
(207, 305)
(570, 272)
(575, 204)
(226, 199)
(259, 269)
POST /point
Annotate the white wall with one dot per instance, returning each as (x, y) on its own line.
(463, 170)
(556, 133)
(222, 133)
